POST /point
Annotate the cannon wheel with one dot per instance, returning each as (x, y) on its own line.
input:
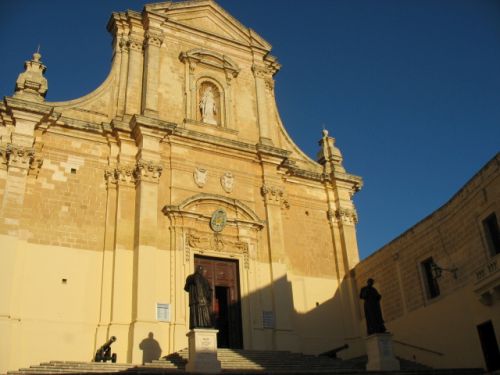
(113, 358)
(98, 357)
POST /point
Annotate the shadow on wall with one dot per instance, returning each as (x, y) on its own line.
(151, 349)
(322, 325)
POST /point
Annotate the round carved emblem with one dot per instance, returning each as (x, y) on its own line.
(218, 220)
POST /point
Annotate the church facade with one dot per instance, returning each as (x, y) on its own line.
(178, 159)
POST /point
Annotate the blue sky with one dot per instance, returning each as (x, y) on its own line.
(410, 89)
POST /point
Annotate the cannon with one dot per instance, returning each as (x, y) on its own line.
(104, 352)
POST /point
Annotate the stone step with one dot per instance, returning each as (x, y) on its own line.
(239, 362)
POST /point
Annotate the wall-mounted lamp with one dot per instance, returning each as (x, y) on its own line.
(437, 271)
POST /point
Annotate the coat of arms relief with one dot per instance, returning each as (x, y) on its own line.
(227, 182)
(200, 176)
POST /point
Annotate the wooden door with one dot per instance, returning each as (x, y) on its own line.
(222, 274)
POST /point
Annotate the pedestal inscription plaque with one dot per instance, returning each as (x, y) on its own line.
(203, 351)
(380, 353)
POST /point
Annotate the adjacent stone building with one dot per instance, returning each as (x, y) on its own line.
(440, 280)
(179, 158)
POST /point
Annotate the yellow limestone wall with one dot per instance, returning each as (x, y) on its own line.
(442, 331)
(113, 193)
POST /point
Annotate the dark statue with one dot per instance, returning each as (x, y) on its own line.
(200, 299)
(373, 313)
(104, 352)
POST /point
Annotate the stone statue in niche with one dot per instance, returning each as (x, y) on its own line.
(373, 312)
(200, 299)
(208, 106)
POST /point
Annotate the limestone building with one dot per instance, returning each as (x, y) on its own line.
(178, 158)
(440, 280)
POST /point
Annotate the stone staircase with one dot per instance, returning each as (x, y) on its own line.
(233, 360)
(239, 362)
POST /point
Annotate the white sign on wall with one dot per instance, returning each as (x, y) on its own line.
(267, 319)
(163, 312)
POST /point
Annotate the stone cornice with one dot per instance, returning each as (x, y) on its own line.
(154, 126)
(292, 170)
(213, 139)
(27, 106)
(356, 181)
(309, 175)
(81, 125)
(271, 150)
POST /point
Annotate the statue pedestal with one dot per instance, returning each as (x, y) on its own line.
(380, 353)
(203, 351)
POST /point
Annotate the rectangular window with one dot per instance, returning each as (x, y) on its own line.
(490, 225)
(430, 278)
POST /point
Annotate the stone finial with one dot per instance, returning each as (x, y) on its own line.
(329, 155)
(31, 84)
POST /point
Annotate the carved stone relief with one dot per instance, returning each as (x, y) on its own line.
(24, 158)
(227, 182)
(200, 176)
(135, 44)
(129, 174)
(147, 170)
(347, 216)
(275, 194)
(215, 242)
(153, 38)
(206, 101)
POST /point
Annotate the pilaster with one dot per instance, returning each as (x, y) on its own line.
(121, 185)
(275, 201)
(148, 133)
(118, 27)
(340, 187)
(152, 43)
(260, 75)
(105, 313)
(135, 45)
(19, 158)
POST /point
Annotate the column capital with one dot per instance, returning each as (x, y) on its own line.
(22, 158)
(147, 170)
(347, 216)
(153, 38)
(275, 195)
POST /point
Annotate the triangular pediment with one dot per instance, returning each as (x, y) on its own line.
(208, 17)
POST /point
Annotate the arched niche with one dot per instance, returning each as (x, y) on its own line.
(205, 67)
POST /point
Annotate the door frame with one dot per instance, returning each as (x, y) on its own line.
(237, 289)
